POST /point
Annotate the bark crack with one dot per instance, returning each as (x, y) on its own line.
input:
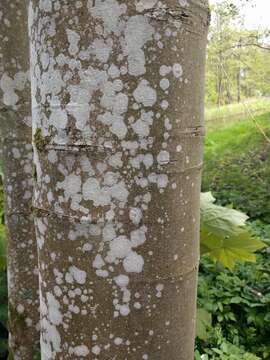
(164, 13)
(74, 148)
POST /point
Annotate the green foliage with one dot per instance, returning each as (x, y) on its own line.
(239, 305)
(224, 234)
(10, 355)
(37, 356)
(226, 351)
(237, 167)
(261, 230)
(3, 261)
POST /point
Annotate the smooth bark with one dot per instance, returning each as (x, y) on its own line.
(117, 95)
(15, 118)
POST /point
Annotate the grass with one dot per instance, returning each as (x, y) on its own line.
(216, 116)
(237, 166)
(235, 138)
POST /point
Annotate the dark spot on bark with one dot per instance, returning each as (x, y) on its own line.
(34, 172)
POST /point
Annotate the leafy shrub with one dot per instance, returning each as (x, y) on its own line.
(238, 303)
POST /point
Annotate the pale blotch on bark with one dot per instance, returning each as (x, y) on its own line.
(117, 102)
(16, 135)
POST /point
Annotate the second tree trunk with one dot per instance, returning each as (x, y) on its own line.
(17, 154)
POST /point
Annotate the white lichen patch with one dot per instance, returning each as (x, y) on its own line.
(133, 263)
(51, 317)
(109, 11)
(145, 94)
(135, 215)
(142, 5)
(163, 157)
(73, 39)
(138, 32)
(183, 2)
(122, 281)
(164, 84)
(177, 70)
(96, 350)
(80, 350)
(138, 237)
(159, 289)
(72, 190)
(20, 309)
(78, 275)
(10, 86)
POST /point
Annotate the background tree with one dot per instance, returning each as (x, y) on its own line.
(117, 122)
(17, 168)
(237, 60)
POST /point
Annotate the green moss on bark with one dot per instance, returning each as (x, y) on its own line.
(39, 141)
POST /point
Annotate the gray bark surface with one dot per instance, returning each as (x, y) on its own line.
(117, 104)
(16, 138)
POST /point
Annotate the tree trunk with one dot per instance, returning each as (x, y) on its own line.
(18, 185)
(238, 76)
(219, 91)
(220, 70)
(117, 104)
(238, 80)
(229, 98)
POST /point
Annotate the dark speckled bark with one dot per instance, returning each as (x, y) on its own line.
(15, 123)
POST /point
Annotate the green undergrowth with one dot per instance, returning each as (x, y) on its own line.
(234, 305)
(237, 167)
(237, 308)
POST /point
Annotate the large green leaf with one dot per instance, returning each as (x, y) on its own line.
(224, 234)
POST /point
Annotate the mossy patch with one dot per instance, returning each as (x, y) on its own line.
(39, 141)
